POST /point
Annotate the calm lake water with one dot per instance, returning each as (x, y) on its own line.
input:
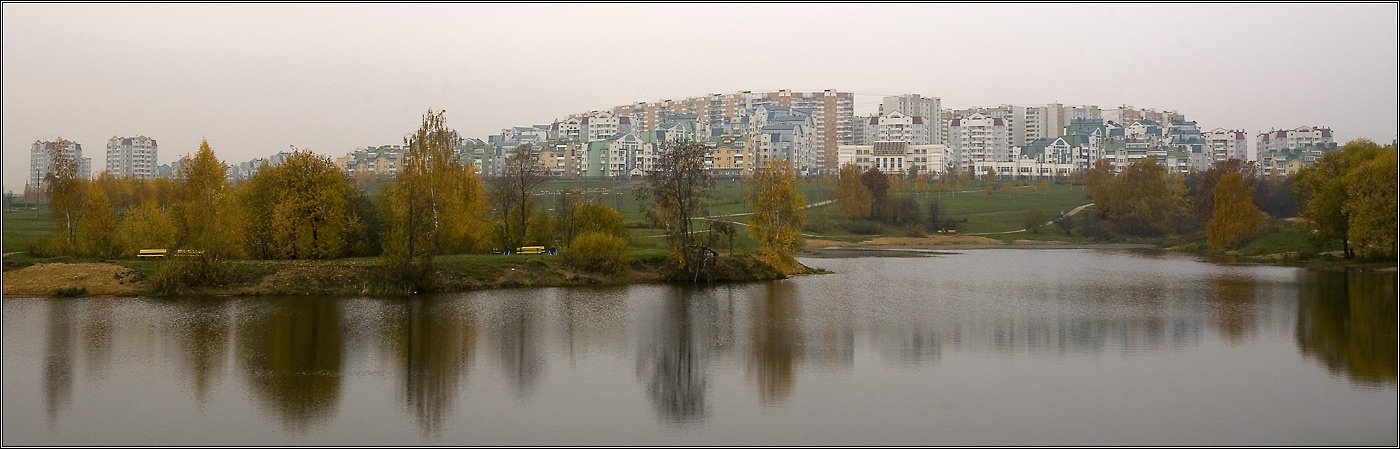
(983, 347)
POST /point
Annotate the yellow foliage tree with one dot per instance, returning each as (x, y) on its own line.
(98, 221)
(298, 209)
(205, 208)
(1234, 220)
(1370, 206)
(64, 188)
(777, 215)
(436, 205)
(851, 194)
(146, 227)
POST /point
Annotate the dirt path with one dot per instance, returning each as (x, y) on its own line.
(1048, 223)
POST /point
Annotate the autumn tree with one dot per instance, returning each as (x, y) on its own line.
(1138, 201)
(600, 241)
(98, 222)
(1203, 194)
(1100, 185)
(435, 204)
(593, 216)
(1145, 201)
(146, 226)
(1370, 206)
(934, 214)
(1234, 220)
(206, 211)
(64, 188)
(851, 194)
(778, 216)
(676, 191)
(1034, 219)
(521, 172)
(1322, 192)
(298, 209)
(878, 184)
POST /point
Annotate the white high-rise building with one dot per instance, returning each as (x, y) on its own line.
(978, 138)
(41, 156)
(897, 126)
(1226, 144)
(927, 108)
(132, 157)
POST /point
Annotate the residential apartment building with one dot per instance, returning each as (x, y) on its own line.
(785, 133)
(1299, 137)
(731, 155)
(1226, 144)
(41, 156)
(978, 138)
(895, 157)
(1283, 152)
(914, 129)
(372, 162)
(928, 109)
(833, 114)
(833, 117)
(132, 157)
(1130, 114)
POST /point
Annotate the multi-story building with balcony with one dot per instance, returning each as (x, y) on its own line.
(977, 138)
(1283, 152)
(890, 126)
(41, 160)
(132, 157)
(832, 112)
(895, 157)
(928, 109)
(1226, 144)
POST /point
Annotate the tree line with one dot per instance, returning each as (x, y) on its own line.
(1346, 197)
(307, 208)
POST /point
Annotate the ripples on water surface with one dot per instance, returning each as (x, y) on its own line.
(1004, 347)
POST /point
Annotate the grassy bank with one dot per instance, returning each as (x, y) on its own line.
(27, 276)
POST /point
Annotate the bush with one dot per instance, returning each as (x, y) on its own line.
(179, 274)
(597, 252)
(70, 292)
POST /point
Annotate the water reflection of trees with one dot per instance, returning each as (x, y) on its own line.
(1347, 322)
(97, 331)
(58, 360)
(1233, 300)
(435, 339)
(519, 342)
(201, 328)
(290, 351)
(775, 339)
(673, 366)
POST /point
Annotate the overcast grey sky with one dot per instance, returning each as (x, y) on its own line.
(256, 78)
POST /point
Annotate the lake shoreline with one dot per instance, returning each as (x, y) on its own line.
(359, 277)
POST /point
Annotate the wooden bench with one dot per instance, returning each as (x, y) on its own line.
(150, 253)
(530, 250)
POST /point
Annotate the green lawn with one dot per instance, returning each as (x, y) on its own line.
(997, 212)
(975, 210)
(23, 227)
(1285, 238)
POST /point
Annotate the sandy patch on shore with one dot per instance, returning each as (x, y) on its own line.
(99, 279)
